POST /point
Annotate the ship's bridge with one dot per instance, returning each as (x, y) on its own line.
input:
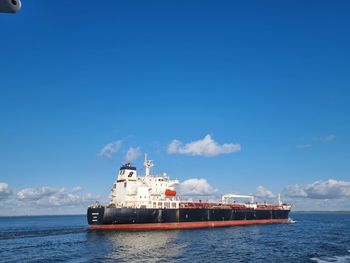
(127, 172)
(127, 166)
(146, 191)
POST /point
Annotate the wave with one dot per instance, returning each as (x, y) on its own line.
(335, 259)
(40, 233)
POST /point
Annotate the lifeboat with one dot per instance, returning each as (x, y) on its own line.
(169, 192)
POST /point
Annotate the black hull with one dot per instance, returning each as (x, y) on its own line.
(131, 216)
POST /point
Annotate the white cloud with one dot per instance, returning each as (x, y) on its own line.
(321, 195)
(77, 189)
(48, 196)
(110, 149)
(294, 191)
(204, 147)
(196, 187)
(5, 191)
(328, 138)
(174, 146)
(324, 139)
(307, 204)
(32, 194)
(328, 189)
(91, 197)
(263, 192)
(132, 154)
(61, 198)
(304, 146)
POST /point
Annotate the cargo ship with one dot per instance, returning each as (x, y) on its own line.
(150, 202)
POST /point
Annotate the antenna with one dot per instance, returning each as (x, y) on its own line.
(148, 165)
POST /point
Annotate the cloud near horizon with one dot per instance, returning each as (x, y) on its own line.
(109, 150)
(322, 189)
(321, 195)
(5, 191)
(48, 196)
(43, 200)
(77, 189)
(205, 147)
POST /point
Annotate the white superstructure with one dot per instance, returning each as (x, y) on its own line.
(147, 191)
(158, 191)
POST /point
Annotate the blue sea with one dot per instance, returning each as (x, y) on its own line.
(319, 237)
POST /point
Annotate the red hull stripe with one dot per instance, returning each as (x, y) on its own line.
(184, 225)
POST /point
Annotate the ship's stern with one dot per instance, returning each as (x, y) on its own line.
(95, 215)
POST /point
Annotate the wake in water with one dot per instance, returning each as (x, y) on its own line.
(336, 259)
(291, 220)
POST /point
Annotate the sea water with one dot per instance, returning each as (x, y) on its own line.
(317, 237)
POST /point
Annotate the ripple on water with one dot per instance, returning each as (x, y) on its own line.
(313, 238)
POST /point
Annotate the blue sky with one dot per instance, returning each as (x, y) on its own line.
(271, 76)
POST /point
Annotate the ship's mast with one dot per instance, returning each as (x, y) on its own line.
(148, 165)
(279, 199)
